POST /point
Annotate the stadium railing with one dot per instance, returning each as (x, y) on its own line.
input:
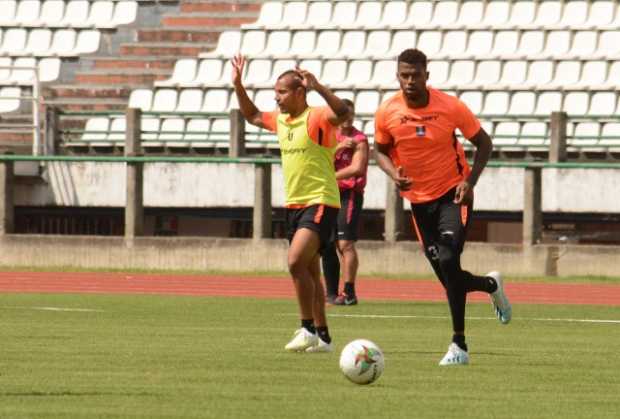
(262, 216)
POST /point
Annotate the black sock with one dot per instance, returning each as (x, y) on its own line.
(492, 284)
(349, 289)
(324, 334)
(460, 341)
(308, 324)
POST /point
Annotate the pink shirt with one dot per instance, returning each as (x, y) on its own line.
(344, 158)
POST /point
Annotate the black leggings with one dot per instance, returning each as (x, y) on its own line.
(441, 226)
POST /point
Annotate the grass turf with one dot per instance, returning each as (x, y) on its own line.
(189, 357)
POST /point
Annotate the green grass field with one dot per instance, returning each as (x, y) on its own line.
(190, 357)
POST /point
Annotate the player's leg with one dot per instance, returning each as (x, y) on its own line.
(320, 319)
(348, 227)
(331, 270)
(302, 252)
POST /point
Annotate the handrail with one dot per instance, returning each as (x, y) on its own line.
(273, 160)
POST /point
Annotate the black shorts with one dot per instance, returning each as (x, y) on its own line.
(349, 215)
(441, 221)
(319, 218)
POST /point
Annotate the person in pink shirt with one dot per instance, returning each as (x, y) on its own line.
(351, 164)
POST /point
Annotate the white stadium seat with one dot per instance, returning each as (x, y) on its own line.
(183, 74)
(601, 13)
(197, 130)
(548, 102)
(471, 13)
(523, 13)
(190, 100)
(319, 14)
(366, 101)
(52, 12)
(172, 130)
(359, 72)
(228, 44)
(76, 14)
(522, 103)
(270, 15)
(445, 13)
(603, 103)
(576, 103)
(28, 12)
(278, 43)
(253, 43)
(377, 43)
(63, 42)
(14, 41)
(327, 44)
(574, 13)
(118, 128)
(87, 42)
(368, 15)
(9, 99)
(420, 13)
(384, 73)
(496, 103)
(49, 69)
(394, 13)
(473, 100)
(96, 129)
(5, 73)
(7, 17)
(216, 100)
(125, 13)
(258, 72)
(39, 42)
(302, 43)
(23, 72)
(141, 99)
(150, 128)
(209, 72)
(548, 13)
(496, 13)
(344, 13)
(101, 14)
(164, 100)
(294, 13)
(488, 72)
(353, 44)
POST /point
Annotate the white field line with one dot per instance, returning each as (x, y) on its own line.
(66, 309)
(406, 316)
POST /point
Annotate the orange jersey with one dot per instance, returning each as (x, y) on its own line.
(424, 142)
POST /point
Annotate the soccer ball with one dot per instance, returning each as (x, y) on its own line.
(361, 361)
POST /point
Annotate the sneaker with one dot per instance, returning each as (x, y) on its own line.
(345, 300)
(502, 307)
(302, 339)
(321, 346)
(455, 356)
(330, 299)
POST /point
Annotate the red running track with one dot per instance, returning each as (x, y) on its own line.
(264, 287)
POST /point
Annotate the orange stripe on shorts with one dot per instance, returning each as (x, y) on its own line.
(319, 214)
(464, 214)
(417, 231)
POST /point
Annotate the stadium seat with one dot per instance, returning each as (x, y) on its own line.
(197, 130)
(216, 100)
(610, 135)
(39, 42)
(63, 42)
(603, 103)
(7, 17)
(402, 40)
(76, 14)
(190, 100)
(353, 44)
(506, 43)
(164, 100)
(377, 43)
(9, 99)
(270, 15)
(13, 41)
(228, 45)
(118, 128)
(473, 100)
(583, 44)
(384, 74)
(487, 72)
(183, 74)
(609, 47)
(5, 71)
(366, 101)
(258, 72)
(96, 129)
(172, 130)
(210, 72)
(279, 67)
(319, 14)
(359, 73)
(496, 103)
(141, 99)
(327, 44)
(601, 13)
(368, 15)
(566, 73)
(445, 13)
(278, 44)
(294, 14)
(49, 69)
(125, 13)
(150, 129)
(576, 103)
(438, 72)
(471, 13)
(496, 13)
(452, 44)
(22, 72)
(548, 13)
(531, 43)
(344, 13)
(506, 133)
(461, 73)
(430, 42)
(522, 13)
(536, 130)
(540, 73)
(480, 43)
(394, 14)
(100, 14)
(420, 14)
(574, 13)
(52, 12)
(522, 103)
(334, 72)
(253, 43)
(28, 12)
(548, 102)
(87, 42)
(302, 43)
(514, 73)
(265, 100)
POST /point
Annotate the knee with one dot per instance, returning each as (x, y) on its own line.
(296, 267)
(346, 246)
(447, 252)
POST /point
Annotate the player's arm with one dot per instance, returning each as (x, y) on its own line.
(484, 146)
(248, 109)
(383, 159)
(340, 111)
(359, 163)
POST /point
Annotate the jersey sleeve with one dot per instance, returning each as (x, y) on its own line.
(320, 130)
(270, 120)
(467, 122)
(382, 135)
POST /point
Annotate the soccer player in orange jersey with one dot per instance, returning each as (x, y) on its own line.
(307, 140)
(416, 146)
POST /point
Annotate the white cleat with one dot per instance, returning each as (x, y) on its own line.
(302, 340)
(501, 306)
(321, 346)
(455, 356)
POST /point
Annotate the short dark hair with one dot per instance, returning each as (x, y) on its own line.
(413, 56)
(295, 76)
(349, 103)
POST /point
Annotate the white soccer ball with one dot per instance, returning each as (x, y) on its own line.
(361, 361)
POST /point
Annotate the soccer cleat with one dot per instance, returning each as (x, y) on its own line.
(455, 356)
(331, 299)
(321, 346)
(345, 300)
(302, 339)
(503, 309)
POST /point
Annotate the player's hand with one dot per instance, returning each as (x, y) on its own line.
(401, 180)
(308, 80)
(464, 194)
(238, 62)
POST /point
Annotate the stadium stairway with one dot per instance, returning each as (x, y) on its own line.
(104, 81)
(129, 57)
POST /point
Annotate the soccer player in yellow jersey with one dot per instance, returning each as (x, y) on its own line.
(416, 146)
(307, 140)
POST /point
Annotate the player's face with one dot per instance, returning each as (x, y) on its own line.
(349, 121)
(412, 79)
(288, 94)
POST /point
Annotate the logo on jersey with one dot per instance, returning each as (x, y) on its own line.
(420, 130)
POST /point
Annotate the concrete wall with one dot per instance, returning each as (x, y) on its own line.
(246, 255)
(232, 185)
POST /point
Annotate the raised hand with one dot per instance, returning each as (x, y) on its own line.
(308, 80)
(464, 194)
(238, 62)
